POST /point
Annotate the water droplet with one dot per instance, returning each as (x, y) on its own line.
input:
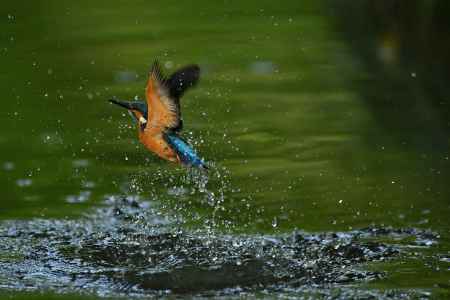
(8, 166)
(274, 222)
(78, 163)
(262, 67)
(83, 196)
(24, 182)
(168, 64)
(88, 184)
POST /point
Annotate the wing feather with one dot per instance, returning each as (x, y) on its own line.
(163, 109)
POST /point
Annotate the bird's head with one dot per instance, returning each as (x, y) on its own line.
(137, 109)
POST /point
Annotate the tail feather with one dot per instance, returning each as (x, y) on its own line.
(187, 155)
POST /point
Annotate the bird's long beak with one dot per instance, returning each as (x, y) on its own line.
(133, 108)
(125, 104)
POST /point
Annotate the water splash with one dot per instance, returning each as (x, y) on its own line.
(129, 248)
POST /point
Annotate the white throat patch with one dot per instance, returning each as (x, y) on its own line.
(142, 120)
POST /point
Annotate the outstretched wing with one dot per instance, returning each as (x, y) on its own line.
(183, 79)
(163, 109)
(163, 95)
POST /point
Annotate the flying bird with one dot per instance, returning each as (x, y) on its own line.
(159, 118)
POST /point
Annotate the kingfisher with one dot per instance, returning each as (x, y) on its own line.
(159, 120)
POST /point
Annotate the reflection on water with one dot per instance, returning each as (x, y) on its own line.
(318, 118)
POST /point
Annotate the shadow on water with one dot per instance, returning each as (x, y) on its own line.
(127, 247)
(404, 48)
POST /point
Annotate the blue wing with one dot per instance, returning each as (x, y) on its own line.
(187, 155)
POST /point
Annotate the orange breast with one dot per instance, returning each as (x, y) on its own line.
(152, 139)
